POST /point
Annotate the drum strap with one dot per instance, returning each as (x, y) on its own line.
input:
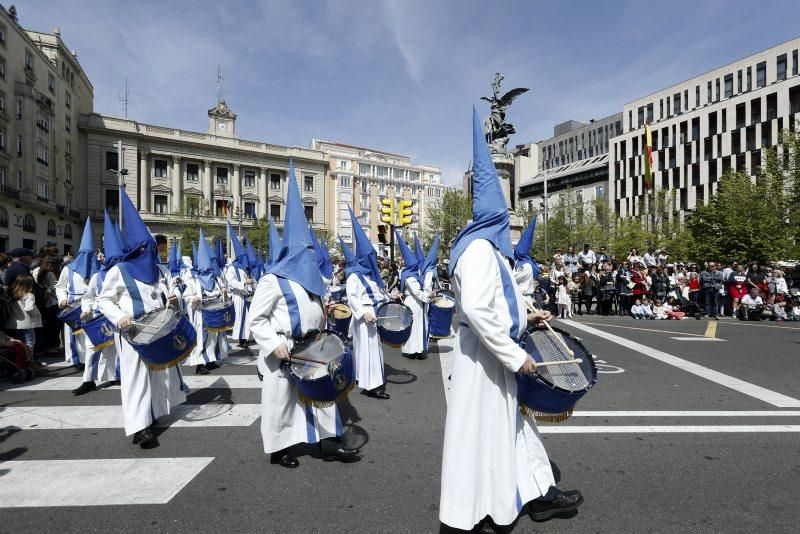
(133, 291)
(368, 289)
(291, 304)
(515, 332)
(71, 286)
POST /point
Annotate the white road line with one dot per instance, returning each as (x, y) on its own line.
(80, 417)
(697, 338)
(674, 429)
(771, 397)
(96, 482)
(194, 382)
(695, 413)
(446, 363)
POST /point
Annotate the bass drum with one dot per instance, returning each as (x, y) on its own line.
(440, 315)
(394, 321)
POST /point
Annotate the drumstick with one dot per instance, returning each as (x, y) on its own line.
(307, 359)
(145, 325)
(550, 328)
(562, 362)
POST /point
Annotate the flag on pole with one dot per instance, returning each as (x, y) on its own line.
(648, 157)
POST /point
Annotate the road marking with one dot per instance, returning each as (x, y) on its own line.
(635, 328)
(711, 329)
(745, 323)
(771, 397)
(670, 429)
(102, 482)
(679, 338)
(68, 383)
(684, 413)
(78, 417)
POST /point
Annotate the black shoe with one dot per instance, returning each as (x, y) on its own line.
(378, 393)
(84, 388)
(201, 370)
(212, 365)
(544, 508)
(422, 356)
(145, 439)
(346, 456)
(114, 383)
(260, 376)
(79, 367)
(284, 458)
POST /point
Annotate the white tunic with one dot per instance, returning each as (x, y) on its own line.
(211, 346)
(100, 365)
(71, 287)
(145, 394)
(493, 461)
(285, 420)
(523, 274)
(367, 348)
(417, 301)
(239, 290)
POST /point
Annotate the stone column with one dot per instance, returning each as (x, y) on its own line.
(177, 184)
(236, 188)
(144, 175)
(208, 186)
(263, 193)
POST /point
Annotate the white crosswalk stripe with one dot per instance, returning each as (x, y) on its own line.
(211, 381)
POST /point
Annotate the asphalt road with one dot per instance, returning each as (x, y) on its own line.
(679, 435)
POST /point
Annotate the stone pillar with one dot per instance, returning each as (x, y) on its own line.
(177, 184)
(208, 186)
(263, 194)
(236, 188)
(144, 175)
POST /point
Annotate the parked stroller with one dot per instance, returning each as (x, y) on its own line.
(16, 362)
(687, 306)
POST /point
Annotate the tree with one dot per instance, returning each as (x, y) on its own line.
(447, 218)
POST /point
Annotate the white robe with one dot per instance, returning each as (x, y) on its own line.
(239, 290)
(71, 287)
(367, 348)
(100, 365)
(523, 274)
(493, 460)
(145, 394)
(417, 301)
(211, 346)
(285, 420)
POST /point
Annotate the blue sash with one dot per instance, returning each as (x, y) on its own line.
(133, 291)
(71, 288)
(368, 289)
(291, 304)
(515, 332)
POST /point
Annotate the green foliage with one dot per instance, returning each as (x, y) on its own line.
(447, 218)
(258, 235)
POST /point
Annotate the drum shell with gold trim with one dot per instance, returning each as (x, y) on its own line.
(100, 331)
(339, 319)
(394, 320)
(440, 315)
(218, 315)
(71, 316)
(162, 338)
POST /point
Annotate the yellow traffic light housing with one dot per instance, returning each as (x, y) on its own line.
(387, 211)
(404, 212)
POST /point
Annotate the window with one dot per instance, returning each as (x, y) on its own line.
(716, 90)
(112, 199)
(221, 207)
(250, 210)
(275, 211)
(29, 223)
(67, 99)
(365, 168)
(160, 203)
(3, 172)
(42, 188)
(343, 165)
(67, 148)
(51, 228)
(68, 173)
(19, 144)
(364, 186)
(398, 174)
(3, 143)
(68, 200)
(67, 123)
(755, 110)
(2, 34)
(2, 101)
(640, 116)
(749, 78)
(709, 92)
(160, 168)
(28, 60)
(112, 161)
(275, 181)
(192, 172)
(308, 184)
(2, 68)
(761, 74)
(43, 122)
(309, 210)
(249, 178)
(51, 83)
(20, 108)
(19, 179)
(413, 176)
(728, 85)
(382, 172)
(43, 155)
(739, 82)
(794, 62)
(781, 67)
(345, 181)
(67, 231)
(697, 96)
(193, 205)
(661, 109)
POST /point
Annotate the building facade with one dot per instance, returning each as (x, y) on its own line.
(43, 91)
(176, 175)
(704, 126)
(361, 177)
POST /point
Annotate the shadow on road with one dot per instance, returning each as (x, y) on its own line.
(393, 372)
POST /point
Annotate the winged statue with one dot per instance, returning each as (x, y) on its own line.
(495, 127)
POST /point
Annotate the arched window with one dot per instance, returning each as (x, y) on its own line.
(51, 228)
(67, 231)
(29, 223)
(3, 217)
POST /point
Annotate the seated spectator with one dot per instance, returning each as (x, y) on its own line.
(752, 306)
(660, 309)
(674, 311)
(641, 311)
(795, 311)
(779, 312)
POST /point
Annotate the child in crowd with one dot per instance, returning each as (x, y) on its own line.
(673, 310)
(574, 288)
(24, 316)
(795, 311)
(660, 310)
(563, 298)
(641, 311)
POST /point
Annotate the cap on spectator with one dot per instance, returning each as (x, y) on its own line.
(20, 252)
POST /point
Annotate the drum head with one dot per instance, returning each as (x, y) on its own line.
(543, 346)
(442, 302)
(394, 317)
(153, 325)
(216, 303)
(341, 311)
(323, 346)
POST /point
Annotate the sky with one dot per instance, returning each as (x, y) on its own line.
(397, 75)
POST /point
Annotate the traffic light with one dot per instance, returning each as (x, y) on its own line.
(387, 211)
(404, 212)
(383, 234)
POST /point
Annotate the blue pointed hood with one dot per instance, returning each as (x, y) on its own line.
(240, 258)
(252, 260)
(113, 250)
(522, 252)
(323, 258)
(85, 263)
(205, 271)
(490, 219)
(410, 262)
(217, 257)
(174, 259)
(418, 252)
(194, 259)
(142, 259)
(120, 239)
(431, 260)
(275, 243)
(297, 260)
(351, 264)
(365, 252)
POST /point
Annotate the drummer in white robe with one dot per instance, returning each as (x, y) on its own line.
(526, 270)
(430, 282)
(101, 364)
(493, 462)
(365, 292)
(416, 298)
(211, 346)
(286, 306)
(133, 287)
(71, 286)
(240, 287)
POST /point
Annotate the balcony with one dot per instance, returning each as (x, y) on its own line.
(9, 191)
(76, 214)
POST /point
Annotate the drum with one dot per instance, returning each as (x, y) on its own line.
(340, 321)
(71, 316)
(551, 392)
(337, 293)
(322, 368)
(163, 338)
(218, 314)
(394, 323)
(440, 315)
(100, 331)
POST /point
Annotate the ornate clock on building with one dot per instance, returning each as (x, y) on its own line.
(223, 126)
